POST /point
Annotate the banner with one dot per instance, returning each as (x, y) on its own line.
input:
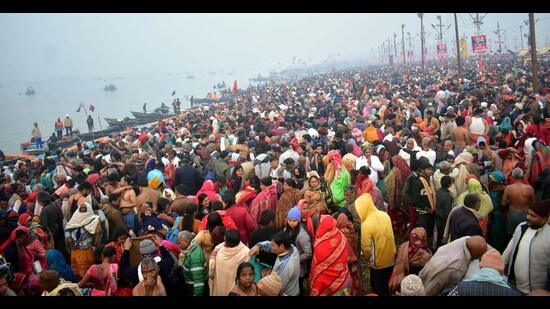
(479, 43)
(463, 44)
(442, 49)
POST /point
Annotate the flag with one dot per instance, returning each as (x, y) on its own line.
(79, 106)
(92, 108)
(174, 93)
(234, 90)
(364, 91)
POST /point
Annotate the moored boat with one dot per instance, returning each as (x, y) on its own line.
(110, 87)
(29, 148)
(126, 121)
(67, 141)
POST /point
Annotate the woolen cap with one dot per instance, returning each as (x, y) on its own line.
(492, 259)
(294, 213)
(147, 247)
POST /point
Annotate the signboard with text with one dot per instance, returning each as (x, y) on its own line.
(442, 49)
(479, 43)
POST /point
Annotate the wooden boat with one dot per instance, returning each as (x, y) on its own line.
(29, 148)
(110, 87)
(151, 116)
(100, 133)
(65, 142)
(126, 121)
(30, 90)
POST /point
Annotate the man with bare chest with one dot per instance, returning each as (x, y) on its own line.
(461, 136)
(518, 197)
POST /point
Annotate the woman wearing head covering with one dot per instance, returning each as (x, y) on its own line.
(57, 262)
(317, 194)
(346, 227)
(81, 233)
(410, 258)
(29, 249)
(409, 151)
(337, 178)
(270, 285)
(497, 184)
(395, 182)
(329, 274)
(290, 197)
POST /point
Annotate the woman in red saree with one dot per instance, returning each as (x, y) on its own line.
(346, 227)
(329, 273)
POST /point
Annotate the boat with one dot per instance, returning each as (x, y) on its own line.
(30, 90)
(151, 116)
(126, 121)
(66, 141)
(110, 87)
(29, 148)
(85, 137)
(190, 76)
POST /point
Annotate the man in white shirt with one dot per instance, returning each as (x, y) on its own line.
(371, 161)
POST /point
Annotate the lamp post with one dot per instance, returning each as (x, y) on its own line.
(403, 42)
(421, 16)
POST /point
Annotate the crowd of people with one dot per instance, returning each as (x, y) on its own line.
(366, 181)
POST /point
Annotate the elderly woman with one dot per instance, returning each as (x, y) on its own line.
(410, 147)
(82, 232)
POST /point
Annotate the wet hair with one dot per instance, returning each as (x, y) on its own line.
(471, 199)
(460, 120)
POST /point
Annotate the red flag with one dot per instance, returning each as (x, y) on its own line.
(92, 108)
(234, 89)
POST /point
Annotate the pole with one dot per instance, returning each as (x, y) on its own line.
(100, 126)
(534, 60)
(421, 15)
(459, 63)
(521, 35)
(403, 43)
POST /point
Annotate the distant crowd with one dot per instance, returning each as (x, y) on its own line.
(374, 181)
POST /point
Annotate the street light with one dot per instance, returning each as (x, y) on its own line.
(403, 42)
(421, 16)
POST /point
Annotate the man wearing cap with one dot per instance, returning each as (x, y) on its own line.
(149, 247)
(68, 123)
(527, 256)
(488, 281)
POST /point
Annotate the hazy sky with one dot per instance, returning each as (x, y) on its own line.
(41, 46)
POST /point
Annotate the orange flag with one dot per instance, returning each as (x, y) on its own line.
(364, 91)
(234, 89)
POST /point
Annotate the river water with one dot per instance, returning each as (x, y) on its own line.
(56, 97)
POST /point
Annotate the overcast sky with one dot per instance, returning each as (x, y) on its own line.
(60, 45)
